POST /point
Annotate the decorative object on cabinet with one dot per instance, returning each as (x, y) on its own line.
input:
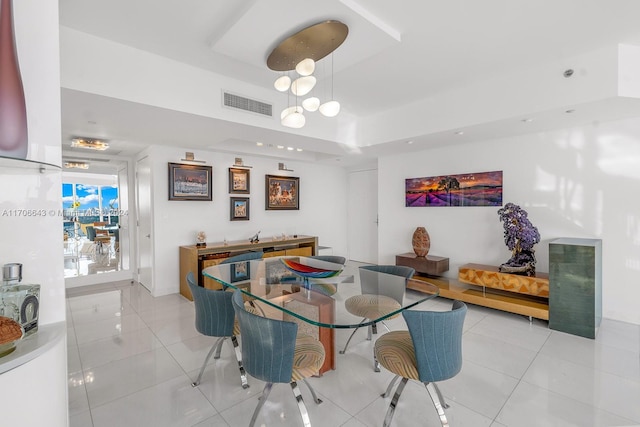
(239, 181)
(421, 241)
(14, 140)
(201, 239)
(308, 272)
(239, 209)
(575, 286)
(190, 182)
(10, 332)
(471, 189)
(520, 235)
(282, 192)
(21, 302)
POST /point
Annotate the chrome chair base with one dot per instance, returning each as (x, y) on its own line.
(313, 392)
(217, 347)
(243, 373)
(436, 397)
(371, 330)
(390, 386)
(434, 392)
(306, 421)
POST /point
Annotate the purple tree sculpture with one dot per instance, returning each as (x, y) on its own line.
(520, 236)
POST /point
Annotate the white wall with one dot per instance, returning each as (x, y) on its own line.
(323, 197)
(35, 239)
(580, 182)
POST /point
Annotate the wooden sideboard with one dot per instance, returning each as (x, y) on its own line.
(484, 285)
(195, 259)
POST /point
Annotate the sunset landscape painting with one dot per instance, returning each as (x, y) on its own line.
(471, 189)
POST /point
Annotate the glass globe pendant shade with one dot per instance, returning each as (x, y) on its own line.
(306, 67)
(282, 83)
(330, 108)
(303, 85)
(311, 104)
(287, 111)
(294, 120)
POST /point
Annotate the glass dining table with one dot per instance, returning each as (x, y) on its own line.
(310, 292)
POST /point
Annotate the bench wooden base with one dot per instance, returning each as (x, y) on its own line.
(500, 300)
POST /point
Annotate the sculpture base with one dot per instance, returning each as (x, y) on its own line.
(524, 270)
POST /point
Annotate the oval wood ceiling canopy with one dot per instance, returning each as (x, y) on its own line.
(315, 42)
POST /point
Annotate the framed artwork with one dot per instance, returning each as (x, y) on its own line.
(240, 271)
(239, 209)
(239, 181)
(190, 182)
(470, 189)
(282, 192)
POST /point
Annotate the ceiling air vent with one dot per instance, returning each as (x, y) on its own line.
(246, 104)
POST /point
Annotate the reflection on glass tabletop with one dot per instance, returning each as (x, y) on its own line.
(306, 288)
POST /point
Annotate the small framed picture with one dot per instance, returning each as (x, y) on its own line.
(190, 182)
(239, 181)
(282, 192)
(239, 209)
(240, 271)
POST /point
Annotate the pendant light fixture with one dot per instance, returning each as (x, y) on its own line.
(330, 108)
(301, 52)
(292, 117)
(282, 83)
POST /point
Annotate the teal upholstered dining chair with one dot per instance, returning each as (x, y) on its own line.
(430, 351)
(215, 317)
(273, 352)
(377, 298)
(247, 256)
(335, 259)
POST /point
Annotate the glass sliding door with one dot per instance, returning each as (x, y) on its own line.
(91, 211)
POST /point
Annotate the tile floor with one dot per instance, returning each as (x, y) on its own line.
(132, 357)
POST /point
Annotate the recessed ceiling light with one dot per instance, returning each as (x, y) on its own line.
(259, 144)
(409, 142)
(298, 149)
(89, 143)
(280, 147)
(527, 120)
(76, 165)
(290, 148)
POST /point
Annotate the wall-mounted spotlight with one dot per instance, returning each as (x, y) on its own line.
(190, 157)
(240, 164)
(283, 167)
